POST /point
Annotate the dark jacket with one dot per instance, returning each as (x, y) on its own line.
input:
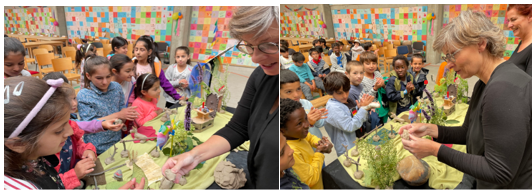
(394, 89)
(420, 82)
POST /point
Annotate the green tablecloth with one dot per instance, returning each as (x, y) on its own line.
(442, 176)
(198, 179)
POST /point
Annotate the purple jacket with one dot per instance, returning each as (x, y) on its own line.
(165, 84)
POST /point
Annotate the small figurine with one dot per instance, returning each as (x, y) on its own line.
(358, 174)
(391, 134)
(376, 138)
(118, 175)
(123, 154)
(111, 159)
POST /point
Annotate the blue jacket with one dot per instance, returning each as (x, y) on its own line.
(341, 128)
(420, 82)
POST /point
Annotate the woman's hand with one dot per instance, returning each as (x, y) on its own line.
(421, 147)
(84, 167)
(181, 164)
(133, 184)
(110, 125)
(128, 113)
(89, 154)
(420, 129)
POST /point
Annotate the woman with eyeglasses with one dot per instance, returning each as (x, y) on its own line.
(257, 116)
(497, 127)
(520, 22)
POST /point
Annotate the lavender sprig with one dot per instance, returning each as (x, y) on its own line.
(429, 96)
(426, 115)
(187, 116)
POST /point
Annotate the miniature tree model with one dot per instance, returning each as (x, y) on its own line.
(111, 159)
(391, 134)
(358, 174)
(354, 152)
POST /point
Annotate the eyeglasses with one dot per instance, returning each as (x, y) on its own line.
(266, 47)
(450, 57)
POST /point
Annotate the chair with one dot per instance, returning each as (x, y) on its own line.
(47, 47)
(419, 48)
(77, 40)
(402, 50)
(321, 101)
(45, 59)
(396, 43)
(68, 48)
(40, 51)
(389, 54)
(130, 50)
(389, 46)
(65, 64)
(161, 51)
(105, 41)
(295, 48)
(99, 52)
(381, 57)
(107, 48)
(72, 55)
(294, 42)
(407, 42)
(33, 73)
(327, 60)
(305, 48)
(97, 44)
(306, 56)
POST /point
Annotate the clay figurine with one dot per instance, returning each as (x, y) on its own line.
(405, 135)
(138, 136)
(227, 176)
(348, 161)
(376, 138)
(399, 120)
(118, 121)
(354, 152)
(118, 175)
(132, 156)
(124, 154)
(377, 147)
(183, 181)
(111, 159)
(168, 112)
(167, 181)
(358, 173)
(391, 134)
(155, 153)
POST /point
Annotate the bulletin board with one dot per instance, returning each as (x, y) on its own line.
(301, 24)
(29, 20)
(205, 42)
(127, 21)
(495, 12)
(403, 23)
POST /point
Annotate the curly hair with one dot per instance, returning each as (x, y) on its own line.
(400, 57)
(288, 106)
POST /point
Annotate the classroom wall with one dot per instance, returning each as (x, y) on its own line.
(181, 37)
(31, 19)
(302, 20)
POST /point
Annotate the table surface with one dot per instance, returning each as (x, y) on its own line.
(442, 175)
(198, 179)
(31, 44)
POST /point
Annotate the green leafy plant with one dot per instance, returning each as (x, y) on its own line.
(382, 163)
(463, 89)
(182, 141)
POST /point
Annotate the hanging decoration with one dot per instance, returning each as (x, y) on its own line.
(431, 17)
(294, 9)
(177, 16)
(214, 32)
(311, 9)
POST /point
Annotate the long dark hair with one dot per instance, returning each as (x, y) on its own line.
(145, 82)
(90, 63)
(118, 42)
(84, 51)
(19, 107)
(118, 61)
(187, 51)
(149, 45)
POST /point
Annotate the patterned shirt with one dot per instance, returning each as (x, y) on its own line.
(369, 83)
(94, 104)
(174, 76)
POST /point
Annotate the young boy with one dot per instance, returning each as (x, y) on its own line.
(355, 73)
(308, 82)
(342, 124)
(285, 58)
(294, 126)
(400, 87)
(338, 59)
(285, 44)
(323, 44)
(317, 63)
(371, 82)
(288, 178)
(291, 88)
(420, 75)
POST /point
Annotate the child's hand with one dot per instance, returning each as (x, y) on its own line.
(110, 125)
(313, 116)
(324, 112)
(379, 83)
(159, 111)
(314, 86)
(84, 167)
(89, 154)
(128, 113)
(365, 99)
(184, 83)
(328, 143)
(183, 98)
(410, 87)
(321, 147)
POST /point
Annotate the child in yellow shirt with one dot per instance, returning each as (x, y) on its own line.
(294, 126)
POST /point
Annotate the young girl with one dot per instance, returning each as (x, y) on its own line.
(294, 126)
(147, 91)
(399, 88)
(102, 99)
(84, 50)
(146, 62)
(123, 73)
(178, 75)
(119, 46)
(14, 58)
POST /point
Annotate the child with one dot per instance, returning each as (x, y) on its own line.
(294, 126)
(122, 68)
(420, 75)
(14, 54)
(308, 82)
(290, 50)
(74, 148)
(400, 87)
(323, 43)
(102, 99)
(291, 88)
(147, 91)
(119, 46)
(356, 50)
(338, 59)
(84, 51)
(341, 128)
(317, 63)
(355, 73)
(285, 58)
(371, 82)
(178, 75)
(145, 62)
(288, 178)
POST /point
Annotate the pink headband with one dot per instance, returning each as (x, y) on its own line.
(53, 86)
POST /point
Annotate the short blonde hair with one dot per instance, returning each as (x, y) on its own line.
(254, 19)
(470, 28)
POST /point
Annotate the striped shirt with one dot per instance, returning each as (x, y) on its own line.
(14, 183)
(368, 84)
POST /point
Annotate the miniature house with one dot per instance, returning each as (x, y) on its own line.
(202, 121)
(453, 91)
(212, 104)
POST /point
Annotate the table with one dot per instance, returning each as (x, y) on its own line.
(42, 38)
(342, 176)
(198, 179)
(31, 45)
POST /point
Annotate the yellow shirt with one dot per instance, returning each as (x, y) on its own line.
(308, 163)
